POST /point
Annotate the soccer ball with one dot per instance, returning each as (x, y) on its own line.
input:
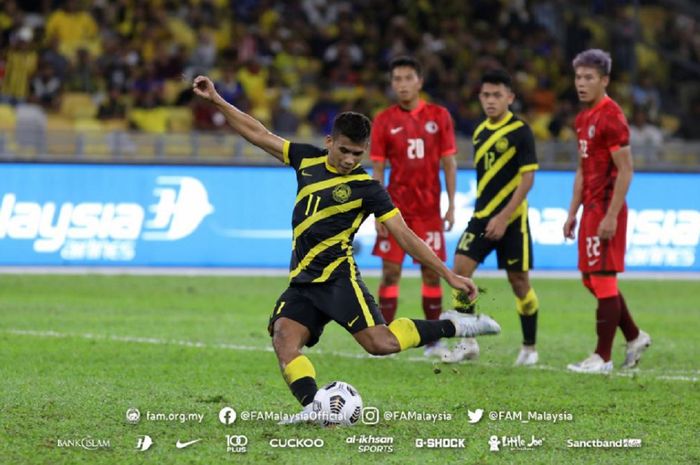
(337, 403)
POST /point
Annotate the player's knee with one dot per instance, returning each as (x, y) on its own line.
(391, 276)
(284, 342)
(381, 344)
(430, 278)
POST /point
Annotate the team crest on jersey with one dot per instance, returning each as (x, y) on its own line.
(502, 144)
(591, 131)
(342, 193)
(431, 127)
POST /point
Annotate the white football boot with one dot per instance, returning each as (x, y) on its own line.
(593, 364)
(466, 349)
(527, 356)
(635, 349)
(467, 325)
(436, 349)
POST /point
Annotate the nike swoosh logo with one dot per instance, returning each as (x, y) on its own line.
(353, 321)
(515, 260)
(592, 262)
(396, 130)
(304, 173)
(182, 445)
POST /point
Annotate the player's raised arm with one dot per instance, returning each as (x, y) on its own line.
(412, 244)
(250, 128)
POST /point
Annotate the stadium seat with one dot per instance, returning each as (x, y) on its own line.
(179, 119)
(78, 105)
(153, 120)
(7, 117)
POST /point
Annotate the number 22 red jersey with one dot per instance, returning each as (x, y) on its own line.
(414, 142)
(600, 130)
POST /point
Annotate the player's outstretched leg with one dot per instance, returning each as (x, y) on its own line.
(404, 333)
(288, 338)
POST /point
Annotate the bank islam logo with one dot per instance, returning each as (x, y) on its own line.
(144, 443)
(475, 416)
(227, 415)
(94, 230)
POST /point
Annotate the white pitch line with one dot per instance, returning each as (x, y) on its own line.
(672, 375)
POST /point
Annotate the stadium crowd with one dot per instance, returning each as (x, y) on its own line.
(296, 64)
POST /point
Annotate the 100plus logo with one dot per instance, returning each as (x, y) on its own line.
(107, 230)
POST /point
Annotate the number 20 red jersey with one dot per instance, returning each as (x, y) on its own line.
(413, 143)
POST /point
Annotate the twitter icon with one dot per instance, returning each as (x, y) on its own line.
(476, 415)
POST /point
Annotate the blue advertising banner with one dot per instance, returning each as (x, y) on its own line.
(241, 217)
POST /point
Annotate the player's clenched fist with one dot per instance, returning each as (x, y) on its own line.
(203, 87)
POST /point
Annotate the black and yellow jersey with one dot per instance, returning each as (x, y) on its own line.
(328, 211)
(502, 151)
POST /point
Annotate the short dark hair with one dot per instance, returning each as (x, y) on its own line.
(497, 76)
(594, 58)
(355, 126)
(406, 61)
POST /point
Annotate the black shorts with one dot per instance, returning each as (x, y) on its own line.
(513, 250)
(345, 301)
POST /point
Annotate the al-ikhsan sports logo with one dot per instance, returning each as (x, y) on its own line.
(107, 230)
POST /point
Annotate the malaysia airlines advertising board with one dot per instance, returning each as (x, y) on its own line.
(127, 215)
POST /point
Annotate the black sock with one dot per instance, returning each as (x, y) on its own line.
(432, 330)
(304, 389)
(529, 327)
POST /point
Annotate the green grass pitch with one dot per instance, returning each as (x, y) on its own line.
(77, 351)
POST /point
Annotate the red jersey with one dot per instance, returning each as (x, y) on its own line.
(600, 130)
(414, 142)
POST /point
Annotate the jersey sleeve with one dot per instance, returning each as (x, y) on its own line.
(526, 153)
(448, 144)
(616, 131)
(377, 148)
(378, 203)
(294, 153)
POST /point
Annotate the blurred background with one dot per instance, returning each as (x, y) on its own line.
(109, 80)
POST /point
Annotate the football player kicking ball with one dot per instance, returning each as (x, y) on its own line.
(334, 196)
(602, 179)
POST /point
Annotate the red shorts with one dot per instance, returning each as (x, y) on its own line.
(595, 255)
(430, 230)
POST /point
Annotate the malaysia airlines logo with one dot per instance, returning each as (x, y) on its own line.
(182, 206)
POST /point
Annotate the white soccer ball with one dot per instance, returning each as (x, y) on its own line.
(337, 403)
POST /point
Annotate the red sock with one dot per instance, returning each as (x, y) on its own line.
(627, 325)
(608, 317)
(432, 301)
(388, 302)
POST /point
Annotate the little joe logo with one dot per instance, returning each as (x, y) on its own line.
(514, 443)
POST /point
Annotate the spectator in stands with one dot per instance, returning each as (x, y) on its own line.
(113, 107)
(646, 139)
(231, 89)
(83, 76)
(324, 111)
(74, 29)
(46, 87)
(690, 129)
(21, 62)
(52, 55)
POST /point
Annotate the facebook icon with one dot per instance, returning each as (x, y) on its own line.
(227, 415)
